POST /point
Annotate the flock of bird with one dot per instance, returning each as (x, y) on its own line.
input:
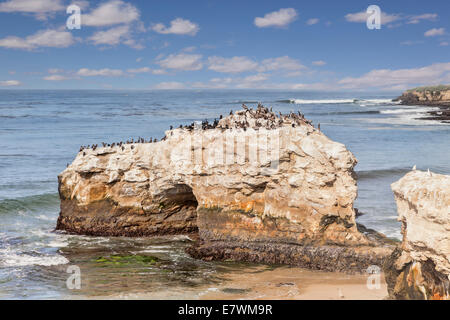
(261, 117)
(120, 144)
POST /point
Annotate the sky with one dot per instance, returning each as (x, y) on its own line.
(218, 44)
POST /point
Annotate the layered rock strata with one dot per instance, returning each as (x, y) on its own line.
(420, 268)
(255, 185)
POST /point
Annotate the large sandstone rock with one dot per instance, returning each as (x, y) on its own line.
(420, 269)
(256, 186)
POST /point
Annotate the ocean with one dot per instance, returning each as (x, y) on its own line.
(41, 131)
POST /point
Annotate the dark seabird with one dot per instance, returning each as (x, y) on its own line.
(171, 127)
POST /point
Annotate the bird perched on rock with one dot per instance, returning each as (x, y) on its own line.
(414, 168)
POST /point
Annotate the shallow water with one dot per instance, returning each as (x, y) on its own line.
(41, 132)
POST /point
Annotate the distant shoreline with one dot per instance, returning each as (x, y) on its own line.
(437, 96)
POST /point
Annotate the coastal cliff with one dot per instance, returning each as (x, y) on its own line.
(254, 186)
(420, 268)
(435, 96)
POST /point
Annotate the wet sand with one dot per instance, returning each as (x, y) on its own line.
(288, 283)
(269, 283)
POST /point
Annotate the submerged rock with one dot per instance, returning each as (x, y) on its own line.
(420, 269)
(256, 187)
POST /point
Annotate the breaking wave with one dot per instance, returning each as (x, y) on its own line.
(339, 101)
(12, 259)
(408, 110)
(30, 203)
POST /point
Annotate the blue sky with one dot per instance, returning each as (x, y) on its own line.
(212, 44)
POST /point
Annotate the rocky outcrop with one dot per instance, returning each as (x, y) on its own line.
(420, 269)
(437, 96)
(256, 186)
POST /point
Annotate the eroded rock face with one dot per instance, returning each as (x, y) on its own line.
(251, 179)
(437, 96)
(420, 269)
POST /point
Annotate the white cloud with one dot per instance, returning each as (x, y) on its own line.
(55, 77)
(256, 78)
(363, 15)
(245, 64)
(84, 72)
(425, 16)
(182, 61)
(10, 83)
(253, 81)
(280, 18)
(388, 18)
(159, 71)
(435, 32)
(177, 26)
(231, 65)
(387, 78)
(443, 44)
(31, 6)
(43, 38)
(312, 21)
(170, 85)
(140, 70)
(146, 70)
(111, 13)
(319, 63)
(284, 63)
(113, 36)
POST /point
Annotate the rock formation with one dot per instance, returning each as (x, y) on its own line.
(437, 96)
(420, 269)
(254, 185)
